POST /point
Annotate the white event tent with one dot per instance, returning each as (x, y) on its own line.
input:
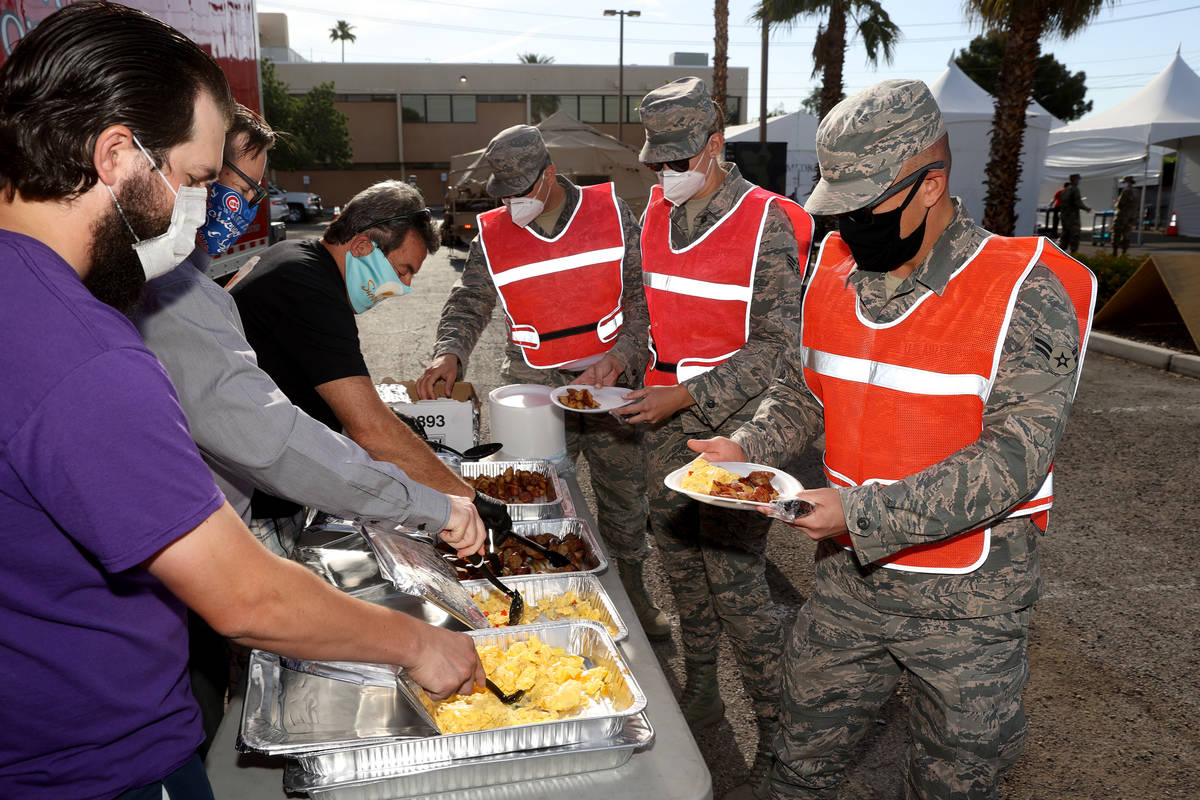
(799, 131)
(968, 111)
(1121, 141)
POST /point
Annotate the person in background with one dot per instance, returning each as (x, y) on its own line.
(566, 265)
(1056, 205)
(1071, 204)
(250, 435)
(298, 307)
(111, 126)
(940, 361)
(1126, 217)
(722, 263)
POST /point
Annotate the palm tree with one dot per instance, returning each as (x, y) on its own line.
(342, 32)
(878, 32)
(541, 106)
(720, 73)
(1026, 22)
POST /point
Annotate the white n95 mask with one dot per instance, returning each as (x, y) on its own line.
(161, 254)
(679, 187)
(524, 210)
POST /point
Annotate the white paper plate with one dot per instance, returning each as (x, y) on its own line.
(609, 397)
(785, 484)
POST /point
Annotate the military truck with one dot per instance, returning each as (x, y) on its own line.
(464, 202)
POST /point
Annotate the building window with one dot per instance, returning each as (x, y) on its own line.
(364, 98)
(632, 108)
(413, 107)
(438, 107)
(591, 108)
(462, 108)
(611, 104)
(542, 106)
(499, 98)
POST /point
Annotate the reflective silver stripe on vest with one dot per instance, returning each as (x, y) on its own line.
(608, 328)
(892, 376)
(694, 288)
(550, 266)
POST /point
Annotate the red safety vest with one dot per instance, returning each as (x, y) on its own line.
(562, 296)
(901, 396)
(699, 296)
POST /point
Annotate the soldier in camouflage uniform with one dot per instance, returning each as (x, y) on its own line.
(714, 557)
(523, 174)
(1072, 204)
(907, 251)
(1126, 216)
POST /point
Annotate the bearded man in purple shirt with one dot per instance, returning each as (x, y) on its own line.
(111, 124)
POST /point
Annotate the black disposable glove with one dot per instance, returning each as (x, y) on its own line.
(494, 514)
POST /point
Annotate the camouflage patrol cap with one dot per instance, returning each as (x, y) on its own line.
(517, 156)
(865, 139)
(678, 119)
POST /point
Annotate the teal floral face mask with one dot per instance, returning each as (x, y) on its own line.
(371, 279)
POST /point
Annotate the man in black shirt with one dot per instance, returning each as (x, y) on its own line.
(298, 306)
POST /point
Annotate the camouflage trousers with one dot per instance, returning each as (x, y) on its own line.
(715, 562)
(1069, 240)
(613, 450)
(841, 663)
(1120, 234)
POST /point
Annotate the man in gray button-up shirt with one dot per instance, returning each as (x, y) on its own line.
(250, 434)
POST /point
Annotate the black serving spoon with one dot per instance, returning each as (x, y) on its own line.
(507, 699)
(556, 558)
(471, 453)
(516, 604)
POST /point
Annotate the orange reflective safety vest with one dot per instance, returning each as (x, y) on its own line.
(562, 295)
(901, 396)
(699, 296)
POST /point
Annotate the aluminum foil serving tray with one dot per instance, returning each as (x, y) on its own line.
(561, 506)
(334, 727)
(562, 527)
(348, 564)
(469, 773)
(536, 589)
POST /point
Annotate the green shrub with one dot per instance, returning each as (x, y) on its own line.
(1111, 272)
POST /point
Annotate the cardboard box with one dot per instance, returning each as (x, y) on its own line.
(453, 421)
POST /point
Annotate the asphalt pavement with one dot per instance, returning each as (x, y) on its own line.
(1115, 651)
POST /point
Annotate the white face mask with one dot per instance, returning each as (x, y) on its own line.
(524, 210)
(166, 251)
(679, 187)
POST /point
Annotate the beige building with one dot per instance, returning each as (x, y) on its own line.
(409, 119)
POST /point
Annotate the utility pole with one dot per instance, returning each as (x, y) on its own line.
(762, 83)
(621, 64)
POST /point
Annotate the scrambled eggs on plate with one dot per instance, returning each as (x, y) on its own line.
(555, 682)
(701, 475)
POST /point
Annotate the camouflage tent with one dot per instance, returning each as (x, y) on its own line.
(582, 154)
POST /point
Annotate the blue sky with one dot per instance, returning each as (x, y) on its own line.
(1127, 45)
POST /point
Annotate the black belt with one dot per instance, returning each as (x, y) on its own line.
(665, 366)
(565, 332)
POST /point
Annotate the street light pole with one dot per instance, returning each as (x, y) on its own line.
(621, 64)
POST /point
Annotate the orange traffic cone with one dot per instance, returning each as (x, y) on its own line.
(1172, 228)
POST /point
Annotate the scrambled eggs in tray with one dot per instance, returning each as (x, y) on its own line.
(557, 685)
(549, 598)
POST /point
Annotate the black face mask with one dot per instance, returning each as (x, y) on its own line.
(874, 239)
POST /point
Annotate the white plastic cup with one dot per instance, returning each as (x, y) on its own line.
(527, 422)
